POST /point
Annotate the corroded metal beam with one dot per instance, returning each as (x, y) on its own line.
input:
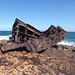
(25, 35)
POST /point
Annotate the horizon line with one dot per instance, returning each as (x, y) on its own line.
(11, 30)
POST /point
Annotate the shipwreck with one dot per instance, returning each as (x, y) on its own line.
(25, 35)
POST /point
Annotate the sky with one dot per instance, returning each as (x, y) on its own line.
(39, 13)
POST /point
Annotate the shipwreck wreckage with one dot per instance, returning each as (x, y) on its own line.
(25, 35)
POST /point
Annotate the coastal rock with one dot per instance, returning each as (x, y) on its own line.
(49, 62)
(73, 50)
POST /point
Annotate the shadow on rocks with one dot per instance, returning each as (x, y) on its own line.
(18, 49)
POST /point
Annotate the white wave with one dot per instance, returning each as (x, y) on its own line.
(67, 43)
(4, 37)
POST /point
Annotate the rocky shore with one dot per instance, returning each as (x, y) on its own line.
(58, 60)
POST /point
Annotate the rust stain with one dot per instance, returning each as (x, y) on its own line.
(25, 35)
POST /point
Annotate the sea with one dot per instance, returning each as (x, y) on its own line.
(70, 37)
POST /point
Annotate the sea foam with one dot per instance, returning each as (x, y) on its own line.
(4, 37)
(67, 43)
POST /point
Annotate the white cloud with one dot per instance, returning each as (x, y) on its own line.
(71, 28)
(5, 27)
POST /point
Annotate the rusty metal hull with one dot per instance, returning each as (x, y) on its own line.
(24, 35)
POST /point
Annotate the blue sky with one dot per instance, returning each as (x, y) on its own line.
(38, 13)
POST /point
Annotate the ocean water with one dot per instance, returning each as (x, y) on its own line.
(70, 37)
(4, 35)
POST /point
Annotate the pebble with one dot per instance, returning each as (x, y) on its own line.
(23, 63)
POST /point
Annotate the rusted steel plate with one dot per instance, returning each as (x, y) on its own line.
(24, 35)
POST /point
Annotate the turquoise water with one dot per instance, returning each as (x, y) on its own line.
(5, 33)
(70, 37)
